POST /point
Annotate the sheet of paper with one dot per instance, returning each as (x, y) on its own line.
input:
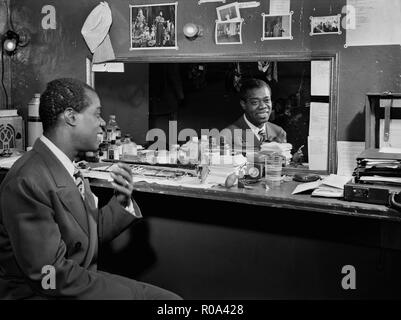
(279, 6)
(373, 22)
(7, 163)
(319, 120)
(395, 134)
(307, 186)
(347, 152)
(320, 78)
(317, 153)
(336, 181)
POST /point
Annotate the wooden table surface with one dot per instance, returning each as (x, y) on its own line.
(279, 197)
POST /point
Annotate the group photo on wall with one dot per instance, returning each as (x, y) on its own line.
(153, 26)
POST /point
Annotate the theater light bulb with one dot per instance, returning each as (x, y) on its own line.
(10, 44)
(192, 31)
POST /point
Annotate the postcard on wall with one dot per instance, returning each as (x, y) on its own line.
(277, 27)
(229, 12)
(228, 32)
(153, 26)
(279, 6)
(325, 25)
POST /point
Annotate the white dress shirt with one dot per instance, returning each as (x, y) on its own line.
(70, 167)
(256, 130)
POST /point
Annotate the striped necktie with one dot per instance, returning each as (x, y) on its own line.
(262, 135)
(79, 182)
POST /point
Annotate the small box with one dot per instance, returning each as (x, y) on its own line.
(12, 134)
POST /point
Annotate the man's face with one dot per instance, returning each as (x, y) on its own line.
(89, 124)
(257, 105)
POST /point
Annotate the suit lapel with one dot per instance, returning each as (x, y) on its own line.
(66, 189)
(244, 126)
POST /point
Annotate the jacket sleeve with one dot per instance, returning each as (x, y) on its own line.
(36, 241)
(114, 219)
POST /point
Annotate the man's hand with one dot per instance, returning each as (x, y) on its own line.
(123, 185)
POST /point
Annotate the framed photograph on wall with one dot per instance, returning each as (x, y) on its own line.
(325, 25)
(277, 27)
(228, 32)
(228, 12)
(153, 26)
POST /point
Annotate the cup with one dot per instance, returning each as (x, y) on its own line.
(273, 169)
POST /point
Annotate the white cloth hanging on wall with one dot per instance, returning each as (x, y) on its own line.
(96, 33)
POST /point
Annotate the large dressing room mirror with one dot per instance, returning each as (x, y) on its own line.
(205, 95)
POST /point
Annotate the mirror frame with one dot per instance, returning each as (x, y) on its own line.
(302, 56)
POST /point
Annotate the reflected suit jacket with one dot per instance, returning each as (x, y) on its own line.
(237, 141)
(45, 222)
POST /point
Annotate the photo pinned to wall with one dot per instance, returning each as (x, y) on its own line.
(277, 27)
(228, 32)
(229, 12)
(153, 26)
(325, 25)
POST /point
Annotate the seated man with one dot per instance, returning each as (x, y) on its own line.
(50, 226)
(253, 127)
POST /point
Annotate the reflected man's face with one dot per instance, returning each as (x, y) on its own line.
(257, 105)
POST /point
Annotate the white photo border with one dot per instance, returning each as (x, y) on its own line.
(234, 4)
(290, 37)
(227, 22)
(313, 21)
(153, 5)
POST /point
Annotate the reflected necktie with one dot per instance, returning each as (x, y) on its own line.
(262, 136)
(79, 182)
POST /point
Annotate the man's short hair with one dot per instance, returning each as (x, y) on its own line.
(59, 95)
(249, 84)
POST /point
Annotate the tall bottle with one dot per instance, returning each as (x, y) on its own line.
(35, 128)
(111, 128)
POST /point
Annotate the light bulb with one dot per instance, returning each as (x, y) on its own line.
(10, 45)
(10, 42)
(192, 31)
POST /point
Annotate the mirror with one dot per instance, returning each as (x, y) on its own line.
(204, 95)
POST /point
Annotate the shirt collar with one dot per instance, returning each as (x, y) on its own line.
(254, 128)
(60, 155)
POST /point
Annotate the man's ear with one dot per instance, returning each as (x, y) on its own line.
(243, 104)
(70, 116)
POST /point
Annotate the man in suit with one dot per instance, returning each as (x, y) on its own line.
(49, 221)
(253, 127)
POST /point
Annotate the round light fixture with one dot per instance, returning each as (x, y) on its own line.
(10, 42)
(192, 31)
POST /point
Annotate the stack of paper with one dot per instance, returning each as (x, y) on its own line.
(283, 149)
(332, 186)
(217, 174)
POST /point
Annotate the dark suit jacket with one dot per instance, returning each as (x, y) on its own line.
(236, 135)
(44, 221)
